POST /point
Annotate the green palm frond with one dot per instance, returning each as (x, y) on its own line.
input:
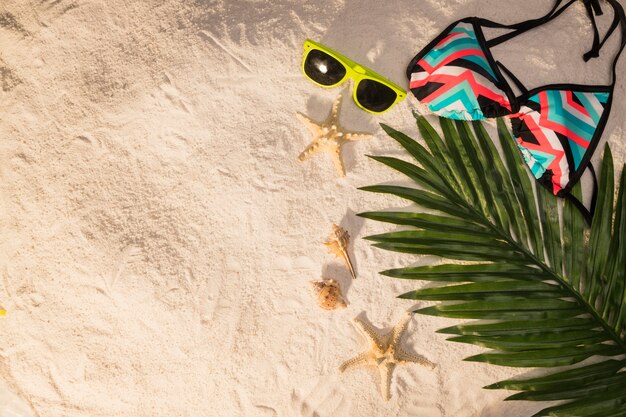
(548, 292)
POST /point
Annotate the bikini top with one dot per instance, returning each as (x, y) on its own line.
(557, 126)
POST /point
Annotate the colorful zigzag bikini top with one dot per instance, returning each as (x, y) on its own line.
(557, 126)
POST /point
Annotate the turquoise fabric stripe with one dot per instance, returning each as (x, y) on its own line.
(435, 56)
(482, 62)
(462, 92)
(460, 29)
(536, 168)
(584, 99)
(557, 114)
(602, 97)
(577, 152)
(534, 98)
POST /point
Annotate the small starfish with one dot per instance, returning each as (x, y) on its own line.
(384, 353)
(329, 137)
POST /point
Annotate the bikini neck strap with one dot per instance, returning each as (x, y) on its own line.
(524, 26)
(618, 20)
(593, 9)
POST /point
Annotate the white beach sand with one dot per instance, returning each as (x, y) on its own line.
(158, 235)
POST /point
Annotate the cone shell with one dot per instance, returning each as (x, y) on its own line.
(337, 244)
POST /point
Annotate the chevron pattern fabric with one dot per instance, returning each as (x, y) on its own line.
(554, 129)
(456, 80)
(557, 126)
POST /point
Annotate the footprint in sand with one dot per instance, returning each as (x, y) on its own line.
(50, 10)
(128, 255)
(19, 295)
(298, 264)
(204, 294)
(12, 405)
(414, 390)
(324, 399)
(174, 146)
(317, 397)
(8, 78)
(215, 315)
(211, 38)
(173, 96)
(88, 140)
(266, 411)
(10, 22)
(85, 146)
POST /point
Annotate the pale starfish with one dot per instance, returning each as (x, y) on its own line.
(384, 353)
(329, 137)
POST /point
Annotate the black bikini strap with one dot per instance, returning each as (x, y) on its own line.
(594, 52)
(597, 45)
(596, 6)
(618, 20)
(593, 9)
(594, 195)
(512, 76)
(587, 214)
(527, 25)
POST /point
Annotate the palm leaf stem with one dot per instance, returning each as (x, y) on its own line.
(558, 278)
(464, 204)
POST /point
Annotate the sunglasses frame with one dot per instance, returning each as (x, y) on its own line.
(355, 72)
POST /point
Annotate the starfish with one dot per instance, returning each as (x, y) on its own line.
(384, 353)
(329, 137)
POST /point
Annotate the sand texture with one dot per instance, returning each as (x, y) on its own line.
(158, 235)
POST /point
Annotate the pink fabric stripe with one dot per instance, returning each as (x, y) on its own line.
(425, 65)
(545, 109)
(418, 83)
(570, 100)
(451, 81)
(450, 58)
(447, 38)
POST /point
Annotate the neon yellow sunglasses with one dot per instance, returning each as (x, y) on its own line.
(327, 68)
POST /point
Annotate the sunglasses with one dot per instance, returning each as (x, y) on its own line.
(327, 68)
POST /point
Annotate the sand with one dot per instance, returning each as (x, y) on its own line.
(158, 235)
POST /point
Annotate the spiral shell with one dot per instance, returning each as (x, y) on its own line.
(328, 293)
(337, 244)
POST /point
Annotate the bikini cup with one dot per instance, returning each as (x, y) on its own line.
(557, 126)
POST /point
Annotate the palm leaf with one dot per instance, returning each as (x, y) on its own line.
(553, 292)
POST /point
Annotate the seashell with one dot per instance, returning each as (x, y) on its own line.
(328, 294)
(337, 244)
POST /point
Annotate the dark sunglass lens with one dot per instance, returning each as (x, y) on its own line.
(323, 68)
(375, 96)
